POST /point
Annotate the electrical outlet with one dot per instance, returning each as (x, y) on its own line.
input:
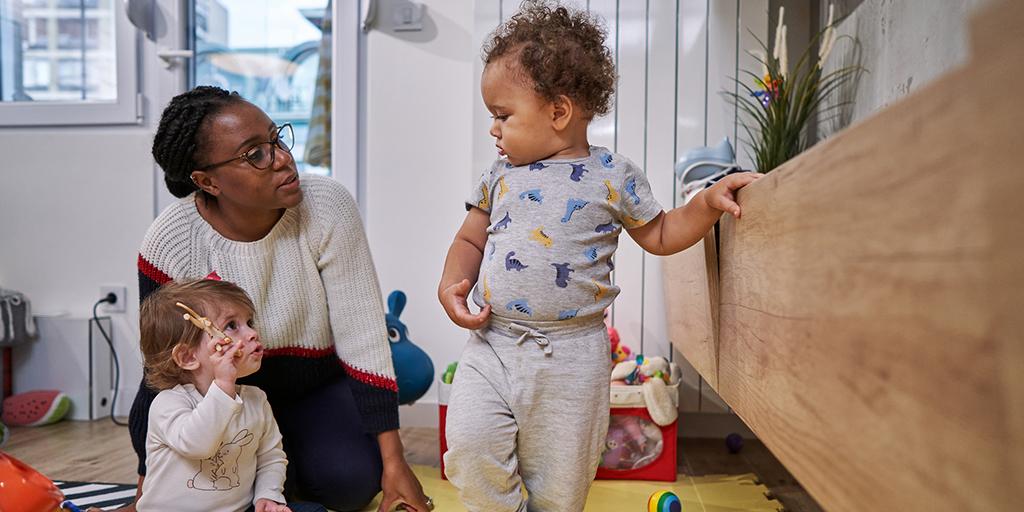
(121, 292)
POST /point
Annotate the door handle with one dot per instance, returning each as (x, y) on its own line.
(171, 57)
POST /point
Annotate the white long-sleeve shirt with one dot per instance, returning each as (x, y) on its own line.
(211, 452)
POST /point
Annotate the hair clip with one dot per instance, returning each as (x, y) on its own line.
(207, 326)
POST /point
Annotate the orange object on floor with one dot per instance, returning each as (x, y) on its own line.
(25, 489)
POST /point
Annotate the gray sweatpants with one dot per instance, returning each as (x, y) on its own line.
(529, 407)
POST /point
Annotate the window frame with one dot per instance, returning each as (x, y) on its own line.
(126, 109)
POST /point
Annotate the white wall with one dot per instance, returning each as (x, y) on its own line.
(904, 45)
(419, 107)
(76, 202)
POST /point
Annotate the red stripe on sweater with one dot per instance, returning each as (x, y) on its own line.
(150, 271)
(309, 353)
(363, 376)
(372, 379)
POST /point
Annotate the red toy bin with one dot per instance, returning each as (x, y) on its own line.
(636, 448)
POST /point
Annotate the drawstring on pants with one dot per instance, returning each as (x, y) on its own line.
(532, 334)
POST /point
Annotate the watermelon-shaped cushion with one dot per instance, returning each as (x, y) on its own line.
(35, 408)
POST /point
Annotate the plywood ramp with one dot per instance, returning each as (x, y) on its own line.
(870, 323)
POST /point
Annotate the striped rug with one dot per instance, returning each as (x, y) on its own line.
(90, 494)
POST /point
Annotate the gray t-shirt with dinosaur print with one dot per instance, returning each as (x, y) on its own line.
(554, 228)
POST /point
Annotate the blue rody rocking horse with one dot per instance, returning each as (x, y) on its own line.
(414, 370)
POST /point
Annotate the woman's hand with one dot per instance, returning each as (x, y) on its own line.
(454, 300)
(721, 196)
(400, 485)
(265, 505)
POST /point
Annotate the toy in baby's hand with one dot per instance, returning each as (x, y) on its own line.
(414, 370)
(206, 325)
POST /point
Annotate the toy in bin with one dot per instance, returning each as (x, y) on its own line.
(641, 441)
(27, 490)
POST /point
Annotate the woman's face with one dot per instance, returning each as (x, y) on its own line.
(231, 132)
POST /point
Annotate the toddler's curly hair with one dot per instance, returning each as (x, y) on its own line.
(562, 51)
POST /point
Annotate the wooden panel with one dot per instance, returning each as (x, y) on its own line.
(691, 294)
(871, 298)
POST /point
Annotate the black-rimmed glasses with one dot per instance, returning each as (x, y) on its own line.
(261, 156)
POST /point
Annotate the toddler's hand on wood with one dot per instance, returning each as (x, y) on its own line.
(721, 195)
(454, 300)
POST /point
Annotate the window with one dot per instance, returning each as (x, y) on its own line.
(66, 62)
(270, 52)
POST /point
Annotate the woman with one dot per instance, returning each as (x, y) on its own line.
(298, 248)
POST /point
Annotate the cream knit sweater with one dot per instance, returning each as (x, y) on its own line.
(318, 302)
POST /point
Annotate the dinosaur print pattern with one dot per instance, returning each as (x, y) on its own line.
(613, 195)
(555, 262)
(220, 471)
(534, 195)
(490, 251)
(578, 170)
(485, 202)
(566, 314)
(511, 263)
(503, 223)
(502, 188)
(631, 190)
(538, 235)
(562, 272)
(572, 206)
(631, 222)
(521, 306)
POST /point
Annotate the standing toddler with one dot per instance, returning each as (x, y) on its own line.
(529, 404)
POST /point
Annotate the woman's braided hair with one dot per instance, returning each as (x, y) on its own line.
(178, 138)
(560, 51)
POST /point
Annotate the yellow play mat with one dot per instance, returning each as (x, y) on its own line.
(715, 493)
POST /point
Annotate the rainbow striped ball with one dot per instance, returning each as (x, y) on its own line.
(664, 501)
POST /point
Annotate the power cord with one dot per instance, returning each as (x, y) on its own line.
(112, 299)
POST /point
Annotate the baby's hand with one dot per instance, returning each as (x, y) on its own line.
(720, 196)
(224, 369)
(453, 298)
(265, 505)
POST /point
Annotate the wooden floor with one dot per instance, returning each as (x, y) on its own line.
(100, 451)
